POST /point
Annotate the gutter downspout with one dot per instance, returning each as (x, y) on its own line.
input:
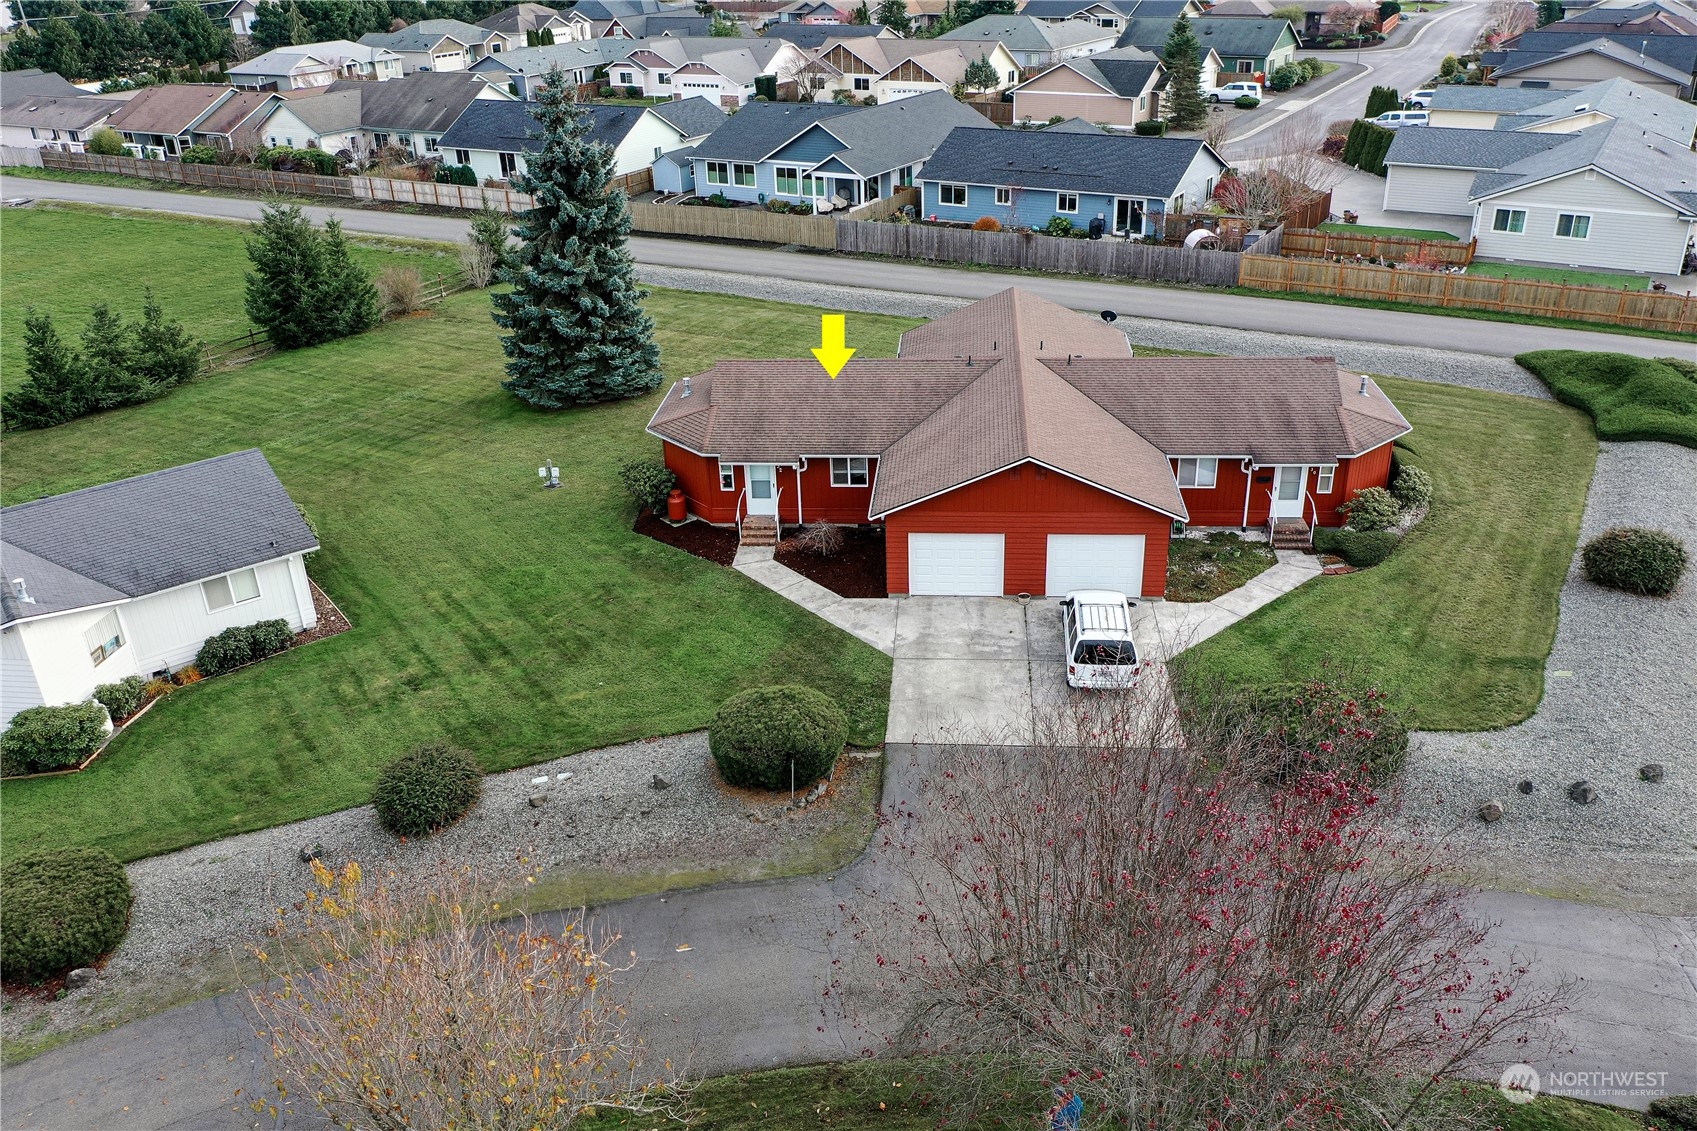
(800, 515)
(1248, 466)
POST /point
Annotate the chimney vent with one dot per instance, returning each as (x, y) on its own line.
(21, 591)
(1364, 384)
(686, 390)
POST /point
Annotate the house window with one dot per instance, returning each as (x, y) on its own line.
(231, 589)
(718, 173)
(663, 79)
(1570, 226)
(1198, 472)
(1004, 196)
(1323, 480)
(509, 164)
(788, 179)
(379, 141)
(34, 134)
(404, 140)
(848, 471)
(104, 637)
(1143, 102)
(951, 194)
(462, 157)
(1066, 202)
(53, 135)
(1509, 220)
(658, 151)
(1246, 66)
(814, 186)
(72, 134)
(429, 144)
(625, 78)
(727, 477)
(862, 82)
(743, 175)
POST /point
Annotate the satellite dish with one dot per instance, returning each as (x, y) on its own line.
(1109, 316)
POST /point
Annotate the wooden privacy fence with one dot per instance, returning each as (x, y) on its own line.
(242, 177)
(1307, 243)
(1035, 252)
(1642, 309)
(437, 195)
(752, 224)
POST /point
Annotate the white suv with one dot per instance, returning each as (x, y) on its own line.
(1232, 91)
(1396, 119)
(1422, 99)
(1096, 629)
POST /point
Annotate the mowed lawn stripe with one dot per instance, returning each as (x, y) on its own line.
(522, 623)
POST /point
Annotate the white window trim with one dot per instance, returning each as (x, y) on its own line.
(727, 471)
(1004, 196)
(723, 168)
(843, 471)
(1197, 465)
(1574, 218)
(1325, 480)
(117, 634)
(778, 179)
(1508, 229)
(737, 168)
(945, 188)
(1060, 203)
(258, 590)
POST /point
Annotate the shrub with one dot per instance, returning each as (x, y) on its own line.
(1680, 1112)
(1284, 77)
(986, 224)
(1371, 509)
(822, 538)
(1154, 127)
(1367, 146)
(756, 736)
(65, 907)
(1311, 66)
(1449, 67)
(158, 688)
(240, 645)
(1412, 487)
(456, 175)
(200, 155)
(1633, 560)
(633, 92)
(805, 208)
(184, 676)
(1246, 102)
(778, 206)
(106, 142)
(427, 789)
(1630, 398)
(122, 699)
(1360, 548)
(51, 738)
(400, 290)
(606, 92)
(1381, 99)
(1058, 226)
(648, 481)
(1318, 725)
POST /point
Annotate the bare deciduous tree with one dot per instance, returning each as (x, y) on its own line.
(1288, 174)
(400, 1004)
(811, 77)
(478, 261)
(1127, 911)
(1505, 19)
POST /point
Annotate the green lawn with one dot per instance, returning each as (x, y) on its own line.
(522, 623)
(196, 268)
(1569, 275)
(1630, 398)
(1394, 233)
(1457, 624)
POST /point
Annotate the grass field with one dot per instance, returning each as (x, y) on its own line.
(1456, 625)
(522, 623)
(1569, 275)
(1630, 398)
(195, 268)
(1394, 233)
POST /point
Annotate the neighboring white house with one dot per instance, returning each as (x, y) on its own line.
(316, 64)
(438, 45)
(412, 113)
(494, 137)
(722, 70)
(237, 15)
(891, 69)
(1034, 42)
(513, 24)
(130, 578)
(28, 122)
(526, 68)
(328, 121)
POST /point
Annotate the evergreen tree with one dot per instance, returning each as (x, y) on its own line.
(1182, 103)
(283, 288)
(893, 15)
(272, 27)
(56, 388)
(203, 41)
(60, 51)
(166, 355)
(23, 52)
(980, 74)
(578, 333)
(101, 57)
(108, 353)
(545, 38)
(345, 297)
(489, 229)
(164, 45)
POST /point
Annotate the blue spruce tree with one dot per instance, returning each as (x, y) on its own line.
(577, 330)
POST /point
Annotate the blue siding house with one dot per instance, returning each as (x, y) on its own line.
(1026, 178)
(816, 151)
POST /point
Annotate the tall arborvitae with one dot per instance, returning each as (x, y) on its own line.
(1181, 100)
(578, 333)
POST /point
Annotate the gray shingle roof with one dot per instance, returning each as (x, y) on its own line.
(1025, 33)
(614, 9)
(1074, 126)
(1074, 162)
(519, 18)
(425, 101)
(757, 129)
(26, 110)
(1467, 149)
(1126, 71)
(1229, 35)
(1678, 52)
(152, 532)
(1501, 99)
(815, 35)
(329, 112)
(570, 56)
(509, 126)
(1647, 162)
(1626, 101)
(33, 80)
(692, 117)
(875, 139)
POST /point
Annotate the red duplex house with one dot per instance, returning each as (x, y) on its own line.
(1015, 446)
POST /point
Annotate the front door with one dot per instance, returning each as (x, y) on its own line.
(762, 491)
(1128, 216)
(1287, 491)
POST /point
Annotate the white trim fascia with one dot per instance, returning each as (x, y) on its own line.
(1623, 182)
(1068, 65)
(143, 596)
(1047, 467)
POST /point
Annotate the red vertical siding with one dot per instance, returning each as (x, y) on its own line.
(822, 502)
(1027, 504)
(1221, 504)
(1369, 469)
(698, 478)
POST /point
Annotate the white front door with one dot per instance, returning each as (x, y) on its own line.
(1095, 561)
(955, 565)
(762, 490)
(1287, 491)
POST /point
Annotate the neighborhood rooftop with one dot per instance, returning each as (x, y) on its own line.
(1073, 162)
(424, 101)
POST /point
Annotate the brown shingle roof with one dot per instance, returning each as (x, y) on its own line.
(167, 110)
(1008, 380)
(231, 114)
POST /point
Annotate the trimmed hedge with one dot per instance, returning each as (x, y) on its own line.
(1412, 487)
(1630, 398)
(427, 788)
(122, 699)
(243, 644)
(65, 907)
(1321, 726)
(1360, 548)
(1679, 1112)
(1153, 127)
(756, 735)
(1372, 508)
(51, 738)
(1648, 563)
(1381, 99)
(648, 481)
(1367, 145)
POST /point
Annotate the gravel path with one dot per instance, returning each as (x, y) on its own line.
(1493, 374)
(1620, 688)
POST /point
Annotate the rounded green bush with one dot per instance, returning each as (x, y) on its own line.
(65, 907)
(1320, 726)
(1360, 548)
(52, 738)
(122, 699)
(1372, 509)
(1648, 563)
(426, 789)
(756, 735)
(1678, 1112)
(1412, 487)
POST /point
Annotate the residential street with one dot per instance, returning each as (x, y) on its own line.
(1495, 339)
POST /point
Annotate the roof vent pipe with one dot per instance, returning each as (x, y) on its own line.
(1364, 384)
(22, 591)
(686, 388)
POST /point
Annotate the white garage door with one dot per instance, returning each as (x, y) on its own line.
(961, 565)
(1095, 561)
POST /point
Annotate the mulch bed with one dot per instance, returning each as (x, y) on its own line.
(331, 621)
(716, 544)
(855, 571)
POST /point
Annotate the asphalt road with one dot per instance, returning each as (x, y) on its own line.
(1499, 339)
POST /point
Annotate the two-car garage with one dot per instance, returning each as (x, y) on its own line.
(976, 565)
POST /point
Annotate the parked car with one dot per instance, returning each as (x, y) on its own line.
(1421, 99)
(1232, 91)
(1096, 628)
(1396, 119)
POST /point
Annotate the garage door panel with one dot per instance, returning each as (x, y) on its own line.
(1095, 561)
(963, 565)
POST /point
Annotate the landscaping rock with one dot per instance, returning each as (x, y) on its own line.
(538, 800)
(659, 783)
(311, 852)
(80, 977)
(1652, 772)
(1491, 811)
(1583, 792)
(1526, 787)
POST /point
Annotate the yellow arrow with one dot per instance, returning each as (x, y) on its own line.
(832, 353)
